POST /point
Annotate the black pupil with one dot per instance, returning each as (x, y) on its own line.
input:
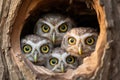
(72, 40)
(46, 27)
(69, 59)
(27, 48)
(63, 27)
(45, 48)
(89, 40)
(54, 62)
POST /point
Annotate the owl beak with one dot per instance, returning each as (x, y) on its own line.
(80, 49)
(53, 37)
(62, 67)
(35, 57)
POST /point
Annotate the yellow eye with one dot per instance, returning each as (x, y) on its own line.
(71, 40)
(44, 49)
(63, 28)
(90, 40)
(27, 48)
(53, 61)
(70, 59)
(45, 28)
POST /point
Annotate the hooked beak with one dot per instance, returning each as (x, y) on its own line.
(80, 49)
(35, 57)
(62, 67)
(53, 37)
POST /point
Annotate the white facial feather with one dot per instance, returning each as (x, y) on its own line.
(61, 56)
(81, 46)
(54, 21)
(36, 42)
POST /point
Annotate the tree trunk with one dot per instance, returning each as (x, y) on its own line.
(103, 64)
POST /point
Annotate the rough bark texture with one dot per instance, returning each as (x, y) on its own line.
(107, 65)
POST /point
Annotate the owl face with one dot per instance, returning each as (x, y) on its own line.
(80, 41)
(61, 61)
(53, 27)
(36, 48)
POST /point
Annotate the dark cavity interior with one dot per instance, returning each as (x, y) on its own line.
(77, 10)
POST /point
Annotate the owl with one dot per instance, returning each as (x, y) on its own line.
(53, 27)
(80, 41)
(60, 61)
(36, 48)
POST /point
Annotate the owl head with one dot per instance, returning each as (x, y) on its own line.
(80, 41)
(36, 48)
(53, 27)
(61, 61)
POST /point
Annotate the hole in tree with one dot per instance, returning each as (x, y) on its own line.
(77, 10)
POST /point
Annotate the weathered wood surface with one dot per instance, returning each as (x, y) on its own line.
(108, 70)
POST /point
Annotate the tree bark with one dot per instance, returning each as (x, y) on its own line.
(107, 66)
